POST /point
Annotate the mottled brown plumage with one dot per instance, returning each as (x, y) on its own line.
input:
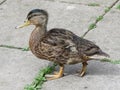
(59, 45)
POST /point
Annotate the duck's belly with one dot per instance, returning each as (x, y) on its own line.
(74, 60)
(54, 57)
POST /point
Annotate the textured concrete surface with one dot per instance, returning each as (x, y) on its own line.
(18, 68)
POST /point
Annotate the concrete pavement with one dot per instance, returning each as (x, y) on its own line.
(18, 68)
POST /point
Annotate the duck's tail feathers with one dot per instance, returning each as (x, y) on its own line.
(100, 55)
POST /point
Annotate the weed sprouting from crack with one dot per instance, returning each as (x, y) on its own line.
(14, 47)
(26, 49)
(99, 18)
(94, 25)
(118, 7)
(110, 61)
(40, 78)
(107, 9)
(93, 4)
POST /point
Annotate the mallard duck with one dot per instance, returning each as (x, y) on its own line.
(58, 45)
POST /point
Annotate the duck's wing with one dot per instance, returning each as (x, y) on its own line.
(88, 47)
(58, 43)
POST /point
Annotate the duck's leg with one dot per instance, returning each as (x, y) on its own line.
(84, 68)
(57, 75)
(84, 63)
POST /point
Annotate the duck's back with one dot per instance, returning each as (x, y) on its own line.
(63, 46)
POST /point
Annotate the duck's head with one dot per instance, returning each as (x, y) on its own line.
(37, 17)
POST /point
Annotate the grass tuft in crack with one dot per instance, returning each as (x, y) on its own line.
(26, 49)
(107, 9)
(118, 7)
(99, 18)
(14, 47)
(40, 78)
(111, 61)
(92, 26)
(93, 4)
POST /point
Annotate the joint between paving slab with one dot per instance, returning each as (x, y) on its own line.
(89, 4)
(13, 47)
(2, 2)
(94, 25)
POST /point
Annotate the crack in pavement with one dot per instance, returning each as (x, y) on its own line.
(3, 2)
(14, 47)
(105, 12)
(73, 3)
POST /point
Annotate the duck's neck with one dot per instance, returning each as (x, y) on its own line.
(37, 34)
(41, 31)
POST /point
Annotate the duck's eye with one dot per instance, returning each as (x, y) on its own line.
(34, 15)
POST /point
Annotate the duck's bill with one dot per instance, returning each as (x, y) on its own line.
(26, 23)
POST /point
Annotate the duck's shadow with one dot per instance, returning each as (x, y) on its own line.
(93, 68)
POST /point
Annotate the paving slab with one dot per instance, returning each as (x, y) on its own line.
(87, 83)
(18, 68)
(62, 15)
(104, 3)
(107, 33)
